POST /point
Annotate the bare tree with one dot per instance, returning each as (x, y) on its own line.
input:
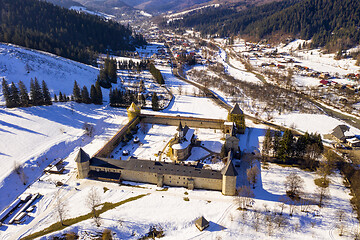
(269, 221)
(89, 129)
(245, 194)
(256, 221)
(341, 216)
(323, 194)
(281, 221)
(93, 200)
(294, 185)
(252, 175)
(61, 208)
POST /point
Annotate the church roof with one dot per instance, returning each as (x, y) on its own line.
(82, 156)
(180, 128)
(201, 223)
(229, 169)
(236, 110)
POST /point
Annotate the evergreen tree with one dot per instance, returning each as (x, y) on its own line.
(286, 145)
(14, 96)
(276, 143)
(36, 94)
(85, 95)
(76, 93)
(155, 102)
(46, 94)
(24, 96)
(99, 97)
(93, 94)
(55, 98)
(6, 92)
(61, 97)
(267, 144)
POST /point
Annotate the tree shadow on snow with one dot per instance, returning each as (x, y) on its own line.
(259, 191)
(19, 128)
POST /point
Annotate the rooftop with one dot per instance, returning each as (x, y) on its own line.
(156, 167)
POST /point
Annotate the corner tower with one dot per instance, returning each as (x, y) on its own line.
(229, 179)
(133, 111)
(83, 164)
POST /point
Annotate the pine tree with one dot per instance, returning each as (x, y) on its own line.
(155, 102)
(76, 93)
(61, 97)
(46, 94)
(286, 145)
(85, 95)
(55, 98)
(36, 94)
(93, 94)
(99, 97)
(24, 96)
(14, 96)
(6, 92)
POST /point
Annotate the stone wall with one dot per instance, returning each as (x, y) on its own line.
(107, 149)
(169, 180)
(189, 121)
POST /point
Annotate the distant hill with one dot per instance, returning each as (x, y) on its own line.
(43, 26)
(107, 6)
(64, 3)
(331, 23)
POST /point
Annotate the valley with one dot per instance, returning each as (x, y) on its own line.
(288, 133)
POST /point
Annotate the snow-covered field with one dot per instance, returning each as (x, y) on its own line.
(34, 137)
(312, 123)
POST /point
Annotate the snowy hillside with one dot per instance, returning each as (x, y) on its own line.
(17, 63)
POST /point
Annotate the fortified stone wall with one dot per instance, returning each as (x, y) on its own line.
(106, 150)
(189, 121)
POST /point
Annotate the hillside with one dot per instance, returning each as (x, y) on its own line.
(66, 33)
(330, 23)
(59, 73)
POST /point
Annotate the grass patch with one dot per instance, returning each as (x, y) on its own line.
(321, 182)
(208, 201)
(186, 193)
(162, 190)
(186, 199)
(68, 222)
(129, 185)
(105, 189)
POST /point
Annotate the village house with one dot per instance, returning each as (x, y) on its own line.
(342, 134)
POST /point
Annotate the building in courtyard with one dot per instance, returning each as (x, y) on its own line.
(180, 147)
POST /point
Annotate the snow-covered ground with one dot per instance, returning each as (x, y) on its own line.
(34, 137)
(17, 63)
(312, 123)
(37, 135)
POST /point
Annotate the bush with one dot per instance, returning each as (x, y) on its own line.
(186, 199)
(106, 235)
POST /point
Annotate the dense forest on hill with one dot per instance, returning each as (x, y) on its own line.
(78, 36)
(334, 24)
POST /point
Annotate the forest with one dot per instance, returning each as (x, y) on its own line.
(333, 24)
(67, 33)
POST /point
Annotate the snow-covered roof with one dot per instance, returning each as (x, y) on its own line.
(186, 142)
(229, 169)
(353, 140)
(236, 110)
